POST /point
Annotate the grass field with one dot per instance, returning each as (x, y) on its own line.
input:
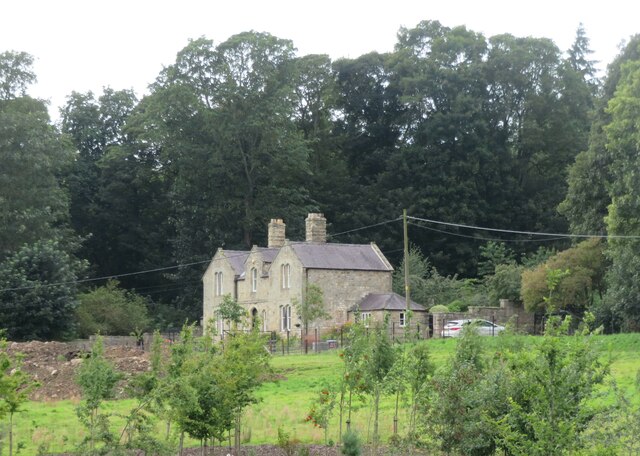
(54, 427)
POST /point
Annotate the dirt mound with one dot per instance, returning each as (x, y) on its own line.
(54, 364)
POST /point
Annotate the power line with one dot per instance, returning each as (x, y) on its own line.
(485, 238)
(365, 227)
(167, 268)
(531, 233)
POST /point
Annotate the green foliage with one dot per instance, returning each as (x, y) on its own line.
(15, 387)
(492, 255)
(110, 310)
(617, 430)
(460, 400)
(312, 306)
(567, 281)
(97, 379)
(550, 386)
(32, 158)
(623, 139)
(322, 409)
(288, 445)
(457, 306)
(351, 445)
(439, 308)
(37, 300)
(16, 74)
(230, 310)
(505, 283)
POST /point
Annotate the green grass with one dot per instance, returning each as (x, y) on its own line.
(286, 402)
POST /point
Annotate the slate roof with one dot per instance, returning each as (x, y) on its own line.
(364, 257)
(268, 255)
(236, 259)
(385, 301)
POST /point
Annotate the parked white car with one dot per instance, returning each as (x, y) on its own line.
(453, 328)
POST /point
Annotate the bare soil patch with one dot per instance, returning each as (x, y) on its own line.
(54, 365)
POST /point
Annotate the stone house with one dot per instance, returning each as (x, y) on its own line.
(374, 306)
(268, 281)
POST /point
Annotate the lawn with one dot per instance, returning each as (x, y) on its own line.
(54, 427)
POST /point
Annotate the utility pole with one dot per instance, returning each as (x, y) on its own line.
(407, 288)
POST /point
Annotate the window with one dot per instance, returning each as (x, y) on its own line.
(285, 318)
(366, 318)
(217, 284)
(254, 280)
(285, 272)
(403, 320)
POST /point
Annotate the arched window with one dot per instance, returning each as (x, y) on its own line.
(254, 280)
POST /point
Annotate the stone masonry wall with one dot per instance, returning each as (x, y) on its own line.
(508, 312)
(344, 289)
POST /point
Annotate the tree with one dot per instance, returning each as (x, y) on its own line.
(590, 177)
(623, 140)
(38, 292)
(34, 206)
(312, 306)
(97, 379)
(461, 400)
(376, 365)
(110, 310)
(551, 387)
(118, 190)
(569, 281)
(223, 118)
(15, 387)
(505, 282)
(492, 255)
(15, 74)
(231, 311)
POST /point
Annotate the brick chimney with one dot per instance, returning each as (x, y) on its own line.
(316, 228)
(276, 233)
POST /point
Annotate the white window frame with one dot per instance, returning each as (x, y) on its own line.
(403, 319)
(285, 318)
(365, 318)
(285, 272)
(217, 284)
(254, 280)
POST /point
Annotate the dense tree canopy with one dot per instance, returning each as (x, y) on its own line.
(497, 131)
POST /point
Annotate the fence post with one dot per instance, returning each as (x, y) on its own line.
(282, 347)
(288, 341)
(316, 337)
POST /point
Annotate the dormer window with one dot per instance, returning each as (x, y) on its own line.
(285, 272)
(254, 280)
(217, 284)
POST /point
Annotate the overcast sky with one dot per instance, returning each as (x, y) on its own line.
(85, 45)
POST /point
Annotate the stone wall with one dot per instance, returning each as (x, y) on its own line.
(508, 312)
(344, 289)
(211, 301)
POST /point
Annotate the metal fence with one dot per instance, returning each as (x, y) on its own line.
(321, 339)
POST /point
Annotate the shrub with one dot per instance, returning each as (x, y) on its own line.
(111, 310)
(351, 445)
(439, 309)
